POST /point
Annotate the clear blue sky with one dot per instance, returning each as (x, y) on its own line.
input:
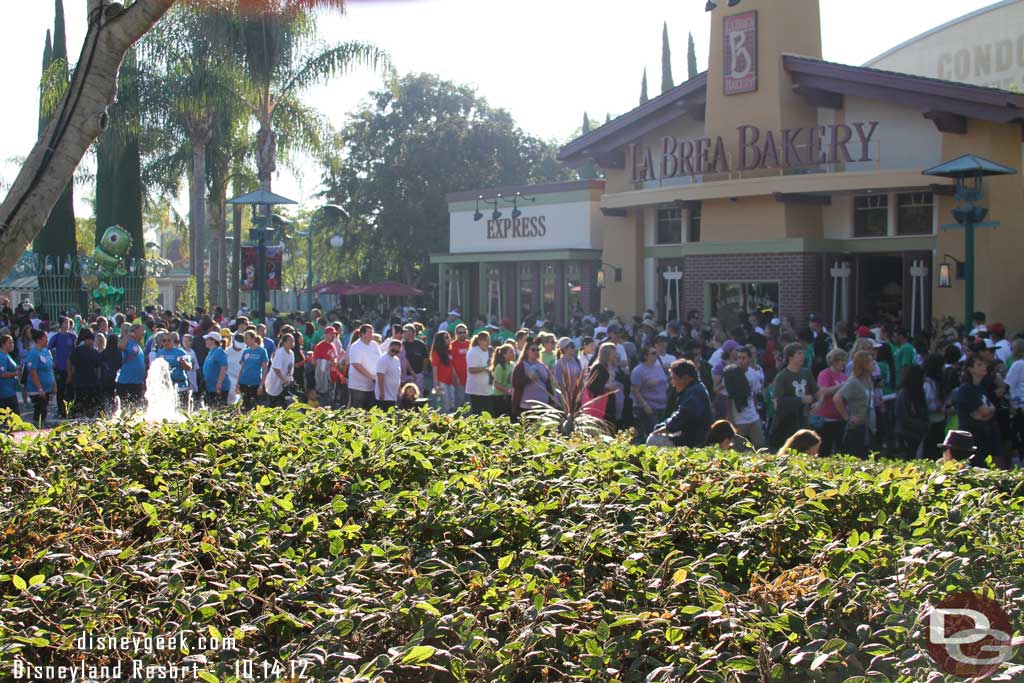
(546, 61)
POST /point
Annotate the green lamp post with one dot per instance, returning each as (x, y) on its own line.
(969, 172)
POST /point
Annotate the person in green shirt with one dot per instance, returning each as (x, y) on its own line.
(502, 364)
(505, 333)
(547, 353)
(318, 333)
(795, 392)
(904, 354)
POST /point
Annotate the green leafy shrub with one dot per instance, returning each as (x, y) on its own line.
(422, 547)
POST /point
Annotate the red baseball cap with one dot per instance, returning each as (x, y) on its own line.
(863, 331)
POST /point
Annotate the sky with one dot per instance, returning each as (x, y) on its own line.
(545, 61)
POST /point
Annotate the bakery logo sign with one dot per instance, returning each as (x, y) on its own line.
(969, 635)
(740, 66)
(756, 148)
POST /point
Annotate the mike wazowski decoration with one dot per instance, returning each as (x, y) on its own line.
(113, 247)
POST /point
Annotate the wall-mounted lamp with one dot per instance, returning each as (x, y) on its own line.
(518, 197)
(496, 214)
(945, 271)
(616, 272)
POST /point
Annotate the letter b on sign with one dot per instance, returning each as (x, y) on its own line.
(969, 635)
(740, 42)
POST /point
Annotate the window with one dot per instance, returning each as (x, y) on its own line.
(527, 291)
(574, 288)
(871, 215)
(670, 226)
(693, 226)
(914, 211)
(732, 302)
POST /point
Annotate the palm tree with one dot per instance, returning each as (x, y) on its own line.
(281, 62)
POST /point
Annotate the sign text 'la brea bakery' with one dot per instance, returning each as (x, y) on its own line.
(785, 149)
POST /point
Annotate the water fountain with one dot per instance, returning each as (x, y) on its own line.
(161, 395)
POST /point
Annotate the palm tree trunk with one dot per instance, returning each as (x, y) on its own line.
(218, 258)
(52, 162)
(197, 216)
(236, 258)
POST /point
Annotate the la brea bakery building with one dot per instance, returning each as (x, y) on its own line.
(773, 180)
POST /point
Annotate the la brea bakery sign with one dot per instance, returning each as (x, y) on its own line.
(756, 149)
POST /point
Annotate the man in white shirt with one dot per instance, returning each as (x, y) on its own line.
(997, 333)
(478, 379)
(748, 420)
(389, 375)
(281, 370)
(665, 359)
(363, 355)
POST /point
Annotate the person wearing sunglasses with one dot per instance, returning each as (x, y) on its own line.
(389, 375)
(531, 380)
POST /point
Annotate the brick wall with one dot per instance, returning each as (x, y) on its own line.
(800, 278)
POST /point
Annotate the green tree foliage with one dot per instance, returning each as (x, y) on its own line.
(58, 234)
(691, 58)
(119, 191)
(666, 61)
(405, 151)
(643, 88)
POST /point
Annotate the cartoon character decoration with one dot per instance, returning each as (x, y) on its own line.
(249, 282)
(114, 245)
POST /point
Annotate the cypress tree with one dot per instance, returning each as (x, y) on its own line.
(588, 171)
(119, 163)
(691, 58)
(47, 61)
(666, 61)
(607, 118)
(643, 88)
(57, 237)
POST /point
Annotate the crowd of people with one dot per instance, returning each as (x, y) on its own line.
(770, 382)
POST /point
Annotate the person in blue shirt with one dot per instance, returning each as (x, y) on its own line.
(255, 362)
(8, 376)
(179, 363)
(40, 381)
(61, 345)
(131, 378)
(268, 343)
(689, 424)
(215, 371)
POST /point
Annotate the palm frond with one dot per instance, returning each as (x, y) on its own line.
(336, 61)
(566, 414)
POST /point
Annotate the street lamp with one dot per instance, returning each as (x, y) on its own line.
(330, 212)
(969, 172)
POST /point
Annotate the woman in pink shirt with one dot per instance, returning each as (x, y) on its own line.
(829, 381)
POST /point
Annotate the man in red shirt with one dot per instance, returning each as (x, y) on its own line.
(460, 347)
(325, 357)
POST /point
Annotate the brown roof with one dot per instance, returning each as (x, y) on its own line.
(651, 114)
(938, 99)
(529, 190)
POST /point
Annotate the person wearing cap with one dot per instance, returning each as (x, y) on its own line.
(389, 375)
(416, 354)
(83, 367)
(460, 349)
(215, 369)
(448, 325)
(959, 445)
(976, 411)
(1003, 349)
(568, 369)
(478, 378)
(282, 372)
